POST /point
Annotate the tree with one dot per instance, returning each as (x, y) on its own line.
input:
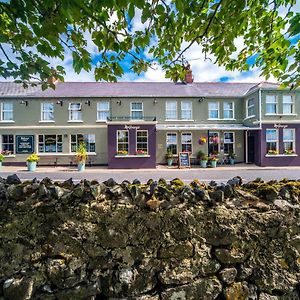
(32, 31)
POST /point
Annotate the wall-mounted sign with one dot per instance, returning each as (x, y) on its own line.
(280, 126)
(184, 160)
(24, 144)
(131, 127)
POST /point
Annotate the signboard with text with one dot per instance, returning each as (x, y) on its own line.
(184, 160)
(24, 144)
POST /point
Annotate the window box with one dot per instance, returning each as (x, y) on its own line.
(281, 155)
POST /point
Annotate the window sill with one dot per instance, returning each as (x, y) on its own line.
(7, 121)
(177, 120)
(131, 156)
(46, 121)
(217, 119)
(101, 121)
(75, 121)
(281, 115)
(281, 155)
(10, 156)
(62, 153)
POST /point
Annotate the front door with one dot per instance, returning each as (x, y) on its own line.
(251, 148)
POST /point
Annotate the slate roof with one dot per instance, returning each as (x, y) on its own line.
(133, 89)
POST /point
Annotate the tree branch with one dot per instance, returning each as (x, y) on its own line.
(5, 54)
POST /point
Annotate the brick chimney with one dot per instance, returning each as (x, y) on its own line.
(52, 80)
(188, 78)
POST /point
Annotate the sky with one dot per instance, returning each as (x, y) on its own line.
(203, 69)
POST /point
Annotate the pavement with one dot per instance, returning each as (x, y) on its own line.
(102, 173)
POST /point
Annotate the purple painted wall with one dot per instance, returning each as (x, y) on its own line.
(278, 161)
(131, 162)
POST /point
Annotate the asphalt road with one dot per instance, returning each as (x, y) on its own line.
(187, 175)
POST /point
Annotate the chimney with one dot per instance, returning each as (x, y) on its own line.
(188, 78)
(52, 80)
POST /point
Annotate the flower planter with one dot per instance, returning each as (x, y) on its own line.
(213, 163)
(81, 167)
(203, 163)
(231, 161)
(170, 162)
(31, 166)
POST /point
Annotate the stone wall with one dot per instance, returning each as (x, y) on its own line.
(154, 241)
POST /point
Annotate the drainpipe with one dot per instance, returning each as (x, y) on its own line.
(246, 145)
(259, 103)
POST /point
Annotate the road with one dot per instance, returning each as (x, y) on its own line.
(220, 174)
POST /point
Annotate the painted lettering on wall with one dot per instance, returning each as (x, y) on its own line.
(280, 126)
(128, 127)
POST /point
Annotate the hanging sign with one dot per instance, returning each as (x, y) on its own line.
(24, 144)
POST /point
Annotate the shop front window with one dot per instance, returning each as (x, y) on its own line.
(213, 143)
(7, 144)
(228, 142)
(272, 141)
(186, 142)
(87, 139)
(122, 142)
(47, 111)
(171, 143)
(289, 140)
(50, 143)
(142, 142)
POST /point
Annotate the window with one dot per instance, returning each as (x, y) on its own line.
(213, 143)
(87, 139)
(75, 112)
(6, 111)
(287, 104)
(142, 141)
(272, 139)
(8, 143)
(47, 111)
(186, 142)
(136, 110)
(122, 141)
(250, 108)
(213, 110)
(271, 104)
(228, 142)
(172, 142)
(288, 140)
(171, 110)
(103, 111)
(50, 143)
(186, 110)
(228, 110)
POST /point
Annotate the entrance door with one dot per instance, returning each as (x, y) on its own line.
(251, 147)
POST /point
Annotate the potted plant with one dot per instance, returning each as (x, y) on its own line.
(1, 159)
(32, 161)
(202, 140)
(203, 158)
(273, 152)
(289, 152)
(122, 152)
(81, 156)
(169, 157)
(213, 161)
(141, 152)
(231, 157)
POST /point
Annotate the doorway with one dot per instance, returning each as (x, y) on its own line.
(251, 148)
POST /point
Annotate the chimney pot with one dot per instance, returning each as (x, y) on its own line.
(188, 75)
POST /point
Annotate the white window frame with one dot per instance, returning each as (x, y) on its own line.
(273, 141)
(73, 110)
(99, 110)
(191, 143)
(47, 111)
(7, 110)
(232, 143)
(136, 140)
(275, 102)
(218, 110)
(76, 134)
(56, 136)
(176, 113)
(136, 110)
(232, 109)
(122, 142)
(289, 141)
(189, 110)
(292, 104)
(173, 133)
(252, 106)
(13, 143)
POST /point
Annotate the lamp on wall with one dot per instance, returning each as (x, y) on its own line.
(24, 102)
(119, 102)
(88, 102)
(60, 102)
(201, 99)
(154, 101)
